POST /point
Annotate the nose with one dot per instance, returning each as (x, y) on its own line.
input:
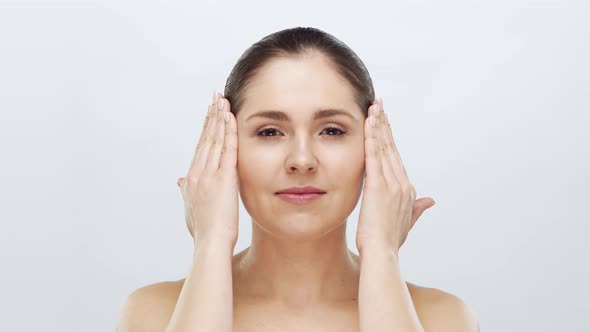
(301, 159)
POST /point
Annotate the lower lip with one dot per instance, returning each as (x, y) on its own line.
(299, 198)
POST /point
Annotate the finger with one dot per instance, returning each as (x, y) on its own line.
(229, 155)
(391, 152)
(389, 173)
(373, 167)
(201, 138)
(208, 137)
(203, 130)
(218, 136)
(391, 136)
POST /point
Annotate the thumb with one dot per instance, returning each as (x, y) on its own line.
(420, 205)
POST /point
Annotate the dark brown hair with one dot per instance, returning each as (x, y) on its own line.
(294, 42)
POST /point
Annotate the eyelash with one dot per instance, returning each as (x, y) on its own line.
(342, 133)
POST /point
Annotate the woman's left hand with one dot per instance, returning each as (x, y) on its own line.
(389, 208)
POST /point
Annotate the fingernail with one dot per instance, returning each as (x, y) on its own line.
(214, 100)
(221, 104)
(372, 120)
(226, 116)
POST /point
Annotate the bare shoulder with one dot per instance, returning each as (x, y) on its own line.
(149, 308)
(442, 311)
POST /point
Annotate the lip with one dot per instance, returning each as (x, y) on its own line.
(299, 198)
(302, 190)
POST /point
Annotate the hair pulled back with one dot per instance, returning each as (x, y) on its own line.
(295, 42)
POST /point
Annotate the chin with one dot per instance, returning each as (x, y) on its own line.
(300, 227)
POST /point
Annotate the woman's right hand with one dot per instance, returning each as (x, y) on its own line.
(210, 188)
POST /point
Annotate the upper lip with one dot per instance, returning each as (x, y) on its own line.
(301, 190)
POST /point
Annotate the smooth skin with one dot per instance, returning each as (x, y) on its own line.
(206, 300)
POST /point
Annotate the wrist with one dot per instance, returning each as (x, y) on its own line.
(214, 244)
(379, 248)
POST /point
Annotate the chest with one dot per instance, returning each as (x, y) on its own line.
(267, 318)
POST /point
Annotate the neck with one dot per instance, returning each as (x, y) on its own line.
(295, 273)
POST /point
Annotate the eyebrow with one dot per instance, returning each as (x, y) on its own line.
(282, 116)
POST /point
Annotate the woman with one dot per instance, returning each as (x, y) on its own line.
(299, 134)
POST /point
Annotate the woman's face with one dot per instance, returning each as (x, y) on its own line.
(296, 150)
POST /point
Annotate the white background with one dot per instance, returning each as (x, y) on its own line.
(102, 104)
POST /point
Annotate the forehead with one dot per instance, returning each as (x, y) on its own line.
(300, 84)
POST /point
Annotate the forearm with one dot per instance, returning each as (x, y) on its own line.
(206, 299)
(385, 303)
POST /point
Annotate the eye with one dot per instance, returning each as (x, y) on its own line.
(271, 133)
(337, 130)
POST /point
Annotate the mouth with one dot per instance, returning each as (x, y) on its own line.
(303, 198)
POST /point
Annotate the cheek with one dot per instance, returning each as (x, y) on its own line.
(348, 169)
(351, 156)
(254, 166)
(345, 167)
